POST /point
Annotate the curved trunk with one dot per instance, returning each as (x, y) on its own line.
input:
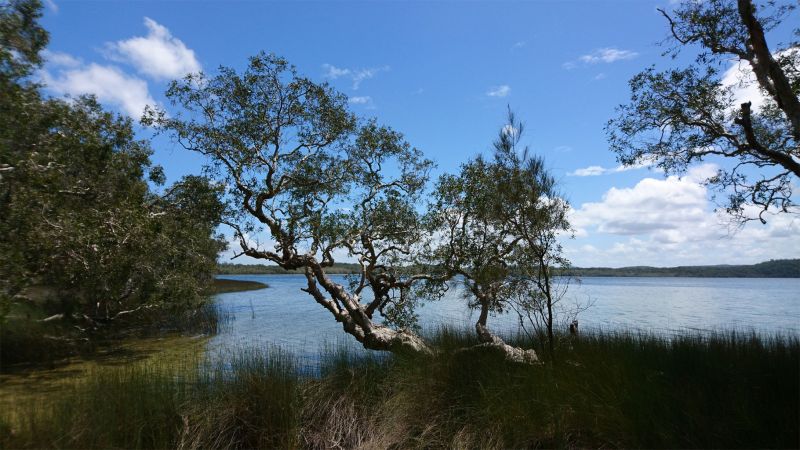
(493, 342)
(355, 319)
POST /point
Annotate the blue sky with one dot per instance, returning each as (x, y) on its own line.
(442, 73)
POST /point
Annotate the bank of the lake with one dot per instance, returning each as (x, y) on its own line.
(29, 338)
(257, 384)
(604, 390)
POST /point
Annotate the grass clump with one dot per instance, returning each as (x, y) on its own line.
(604, 390)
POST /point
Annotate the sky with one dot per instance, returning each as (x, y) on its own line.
(443, 73)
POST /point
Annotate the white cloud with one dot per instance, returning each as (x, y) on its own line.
(334, 72)
(158, 55)
(499, 91)
(519, 44)
(670, 221)
(365, 101)
(52, 5)
(741, 79)
(357, 76)
(651, 205)
(59, 59)
(607, 55)
(602, 55)
(588, 171)
(360, 100)
(108, 83)
(592, 171)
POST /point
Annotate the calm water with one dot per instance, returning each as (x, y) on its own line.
(285, 316)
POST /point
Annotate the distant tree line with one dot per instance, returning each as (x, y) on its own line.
(777, 268)
(264, 269)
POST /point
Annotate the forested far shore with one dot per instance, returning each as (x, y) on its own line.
(263, 269)
(776, 268)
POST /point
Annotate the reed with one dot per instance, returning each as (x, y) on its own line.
(622, 389)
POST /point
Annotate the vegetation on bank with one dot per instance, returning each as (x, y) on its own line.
(93, 244)
(264, 269)
(776, 268)
(729, 390)
(222, 286)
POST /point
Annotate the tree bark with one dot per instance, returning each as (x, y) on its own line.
(493, 342)
(769, 73)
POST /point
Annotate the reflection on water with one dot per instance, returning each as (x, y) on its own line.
(285, 316)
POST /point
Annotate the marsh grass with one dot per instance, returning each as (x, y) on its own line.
(728, 389)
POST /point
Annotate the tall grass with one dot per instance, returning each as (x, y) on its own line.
(605, 389)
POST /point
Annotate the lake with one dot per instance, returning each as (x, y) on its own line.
(285, 316)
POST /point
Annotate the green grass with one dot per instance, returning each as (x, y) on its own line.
(729, 390)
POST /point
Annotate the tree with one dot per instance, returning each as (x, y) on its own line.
(21, 40)
(77, 212)
(319, 182)
(499, 221)
(681, 116)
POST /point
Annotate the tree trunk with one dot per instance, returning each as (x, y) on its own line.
(769, 73)
(493, 342)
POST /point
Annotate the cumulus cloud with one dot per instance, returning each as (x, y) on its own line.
(108, 83)
(58, 59)
(742, 80)
(670, 221)
(499, 91)
(357, 76)
(158, 55)
(651, 205)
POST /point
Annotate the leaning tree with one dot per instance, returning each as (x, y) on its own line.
(681, 116)
(320, 183)
(498, 226)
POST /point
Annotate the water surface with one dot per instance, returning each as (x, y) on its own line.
(285, 316)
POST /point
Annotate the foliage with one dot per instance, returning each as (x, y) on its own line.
(21, 40)
(300, 166)
(499, 222)
(77, 213)
(681, 116)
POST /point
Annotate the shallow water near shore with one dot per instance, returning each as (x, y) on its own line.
(283, 315)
